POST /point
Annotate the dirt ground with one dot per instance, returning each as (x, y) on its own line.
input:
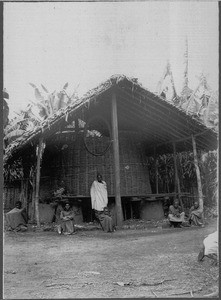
(151, 262)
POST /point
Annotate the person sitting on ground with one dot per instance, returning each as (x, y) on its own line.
(99, 202)
(109, 220)
(112, 212)
(66, 225)
(17, 218)
(210, 247)
(196, 214)
(176, 215)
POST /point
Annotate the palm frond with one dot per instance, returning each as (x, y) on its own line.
(38, 95)
(44, 88)
(65, 86)
(15, 133)
(33, 85)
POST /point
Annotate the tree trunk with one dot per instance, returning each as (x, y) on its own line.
(38, 175)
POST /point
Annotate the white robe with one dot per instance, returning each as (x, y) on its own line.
(211, 243)
(99, 198)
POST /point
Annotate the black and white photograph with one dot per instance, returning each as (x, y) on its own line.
(110, 149)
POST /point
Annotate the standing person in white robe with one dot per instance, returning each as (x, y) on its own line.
(99, 201)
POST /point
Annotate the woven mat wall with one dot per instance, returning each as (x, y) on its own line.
(78, 168)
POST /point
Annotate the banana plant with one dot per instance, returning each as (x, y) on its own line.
(25, 120)
(44, 106)
(13, 171)
(5, 108)
(209, 175)
(49, 103)
(187, 173)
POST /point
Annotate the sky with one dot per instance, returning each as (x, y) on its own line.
(84, 43)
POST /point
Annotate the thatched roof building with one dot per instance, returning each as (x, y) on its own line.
(138, 109)
(111, 129)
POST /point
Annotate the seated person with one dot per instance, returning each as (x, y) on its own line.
(210, 247)
(176, 215)
(196, 214)
(112, 213)
(17, 218)
(105, 219)
(111, 223)
(66, 225)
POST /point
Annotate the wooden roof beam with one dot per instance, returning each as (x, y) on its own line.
(188, 138)
(158, 103)
(145, 116)
(141, 128)
(165, 117)
(145, 122)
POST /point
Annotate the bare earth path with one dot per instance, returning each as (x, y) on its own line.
(92, 264)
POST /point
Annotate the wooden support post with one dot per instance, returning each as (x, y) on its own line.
(177, 180)
(199, 184)
(77, 153)
(21, 197)
(33, 199)
(116, 160)
(26, 194)
(38, 175)
(156, 171)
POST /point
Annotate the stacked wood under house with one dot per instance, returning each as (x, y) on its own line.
(121, 130)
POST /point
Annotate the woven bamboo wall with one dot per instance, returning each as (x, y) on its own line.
(11, 194)
(73, 164)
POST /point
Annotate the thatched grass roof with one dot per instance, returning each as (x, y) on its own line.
(138, 108)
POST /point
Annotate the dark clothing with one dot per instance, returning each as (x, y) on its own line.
(17, 219)
(105, 220)
(196, 216)
(66, 224)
